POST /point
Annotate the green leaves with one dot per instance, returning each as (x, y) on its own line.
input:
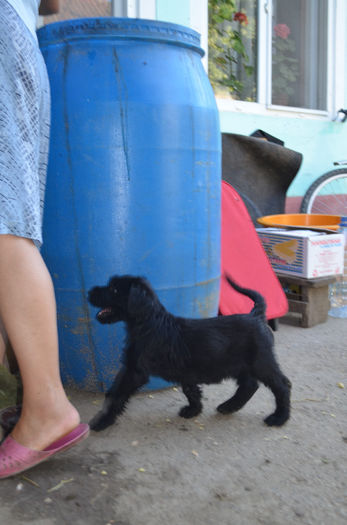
(229, 61)
(284, 69)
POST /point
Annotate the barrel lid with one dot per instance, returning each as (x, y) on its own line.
(119, 29)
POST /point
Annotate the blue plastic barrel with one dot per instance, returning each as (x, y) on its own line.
(134, 178)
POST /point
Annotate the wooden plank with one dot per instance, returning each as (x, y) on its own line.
(314, 283)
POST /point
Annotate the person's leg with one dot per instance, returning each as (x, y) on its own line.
(28, 313)
(3, 342)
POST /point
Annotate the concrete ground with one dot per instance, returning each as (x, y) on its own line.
(154, 467)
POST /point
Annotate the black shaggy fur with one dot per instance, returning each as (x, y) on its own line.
(190, 352)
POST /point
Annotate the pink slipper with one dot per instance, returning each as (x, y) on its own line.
(15, 458)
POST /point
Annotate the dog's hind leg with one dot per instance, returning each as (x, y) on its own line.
(279, 384)
(280, 387)
(248, 385)
(193, 394)
(126, 383)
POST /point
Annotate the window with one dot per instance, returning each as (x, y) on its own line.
(299, 53)
(70, 9)
(278, 53)
(76, 9)
(232, 52)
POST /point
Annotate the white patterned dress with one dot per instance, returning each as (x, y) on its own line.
(24, 128)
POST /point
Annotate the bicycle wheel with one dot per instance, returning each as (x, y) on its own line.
(328, 194)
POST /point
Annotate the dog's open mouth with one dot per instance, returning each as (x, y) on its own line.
(104, 314)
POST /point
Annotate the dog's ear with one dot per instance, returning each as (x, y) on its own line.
(139, 301)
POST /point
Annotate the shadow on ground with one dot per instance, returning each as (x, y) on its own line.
(153, 467)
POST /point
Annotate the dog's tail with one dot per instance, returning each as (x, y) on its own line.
(259, 307)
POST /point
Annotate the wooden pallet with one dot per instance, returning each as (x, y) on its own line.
(308, 297)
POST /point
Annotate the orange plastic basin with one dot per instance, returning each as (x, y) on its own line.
(302, 220)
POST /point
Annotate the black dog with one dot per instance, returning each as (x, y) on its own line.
(188, 351)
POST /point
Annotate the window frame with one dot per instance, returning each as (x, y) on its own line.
(134, 8)
(335, 69)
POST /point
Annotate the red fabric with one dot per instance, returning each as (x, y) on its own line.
(244, 259)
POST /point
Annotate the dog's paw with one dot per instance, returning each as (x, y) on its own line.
(275, 420)
(100, 421)
(227, 408)
(188, 411)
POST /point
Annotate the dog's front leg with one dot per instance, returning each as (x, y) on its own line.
(193, 394)
(126, 382)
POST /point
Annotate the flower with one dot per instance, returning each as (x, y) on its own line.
(282, 30)
(284, 66)
(230, 36)
(241, 17)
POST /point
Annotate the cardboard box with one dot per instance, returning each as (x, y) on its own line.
(305, 253)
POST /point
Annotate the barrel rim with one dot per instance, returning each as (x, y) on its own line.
(119, 28)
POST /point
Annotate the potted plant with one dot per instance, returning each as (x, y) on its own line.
(284, 65)
(230, 31)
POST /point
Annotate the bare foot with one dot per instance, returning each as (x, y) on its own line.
(36, 429)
